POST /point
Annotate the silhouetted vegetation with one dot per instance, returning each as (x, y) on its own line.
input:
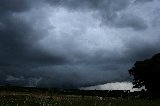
(147, 73)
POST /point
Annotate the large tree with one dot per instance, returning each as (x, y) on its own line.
(147, 73)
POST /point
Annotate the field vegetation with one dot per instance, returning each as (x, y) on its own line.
(70, 100)
(16, 96)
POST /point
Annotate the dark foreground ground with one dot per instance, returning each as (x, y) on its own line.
(33, 97)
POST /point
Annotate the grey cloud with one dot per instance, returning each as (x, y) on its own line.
(143, 1)
(94, 4)
(75, 4)
(15, 5)
(23, 60)
(17, 39)
(129, 20)
(108, 11)
(140, 50)
(79, 75)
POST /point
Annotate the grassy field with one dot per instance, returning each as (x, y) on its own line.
(69, 100)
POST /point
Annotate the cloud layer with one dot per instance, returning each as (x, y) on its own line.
(75, 43)
(113, 86)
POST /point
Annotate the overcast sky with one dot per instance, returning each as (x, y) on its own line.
(75, 43)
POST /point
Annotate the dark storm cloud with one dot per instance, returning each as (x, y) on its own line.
(78, 4)
(142, 1)
(17, 37)
(108, 11)
(129, 20)
(14, 5)
(25, 61)
(139, 50)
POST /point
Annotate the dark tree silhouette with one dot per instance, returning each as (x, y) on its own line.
(147, 73)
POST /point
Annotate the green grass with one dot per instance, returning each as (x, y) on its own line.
(70, 100)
